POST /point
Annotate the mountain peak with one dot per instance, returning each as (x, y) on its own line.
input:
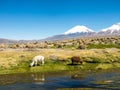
(118, 23)
(78, 29)
(112, 29)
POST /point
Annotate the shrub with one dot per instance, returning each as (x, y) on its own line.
(81, 46)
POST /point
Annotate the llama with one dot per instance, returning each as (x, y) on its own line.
(37, 59)
(76, 59)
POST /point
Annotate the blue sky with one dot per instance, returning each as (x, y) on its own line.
(37, 19)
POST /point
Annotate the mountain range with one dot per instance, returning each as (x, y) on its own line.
(114, 29)
(83, 31)
(75, 32)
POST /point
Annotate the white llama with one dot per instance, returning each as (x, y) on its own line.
(37, 59)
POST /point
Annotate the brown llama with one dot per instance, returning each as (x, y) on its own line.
(76, 60)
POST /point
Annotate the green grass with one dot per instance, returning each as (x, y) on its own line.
(55, 66)
(102, 46)
(12, 62)
(23, 67)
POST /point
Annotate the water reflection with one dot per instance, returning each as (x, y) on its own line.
(94, 80)
(78, 76)
(104, 80)
(37, 78)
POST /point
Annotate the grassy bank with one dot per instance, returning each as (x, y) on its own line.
(17, 61)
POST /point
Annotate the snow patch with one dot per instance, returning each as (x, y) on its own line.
(78, 29)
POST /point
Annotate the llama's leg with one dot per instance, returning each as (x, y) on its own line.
(35, 63)
(42, 62)
(72, 62)
(81, 62)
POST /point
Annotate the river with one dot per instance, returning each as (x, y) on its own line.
(63, 80)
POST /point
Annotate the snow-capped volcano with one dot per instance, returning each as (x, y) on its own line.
(75, 32)
(79, 29)
(82, 31)
(114, 29)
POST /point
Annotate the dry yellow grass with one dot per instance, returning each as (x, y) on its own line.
(12, 57)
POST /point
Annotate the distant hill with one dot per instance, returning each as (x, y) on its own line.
(2, 40)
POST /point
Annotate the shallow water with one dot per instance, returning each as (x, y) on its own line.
(65, 80)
